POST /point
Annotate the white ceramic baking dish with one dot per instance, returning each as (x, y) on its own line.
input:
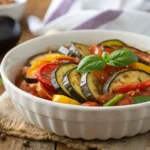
(70, 120)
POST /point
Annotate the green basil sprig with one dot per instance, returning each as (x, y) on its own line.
(141, 99)
(118, 58)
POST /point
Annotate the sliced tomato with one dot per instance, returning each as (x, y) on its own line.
(107, 49)
(42, 92)
(101, 76)
(96, 50)
(44, 76)
(57, 59)
(99, 50)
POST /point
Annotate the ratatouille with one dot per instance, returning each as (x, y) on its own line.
(110, 73)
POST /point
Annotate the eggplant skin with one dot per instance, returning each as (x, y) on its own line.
(57, 77)
(79, 50)
(143, 57)
(72, 83)
(30, 80)
(89, 87)
(129, 76)
(64, 50)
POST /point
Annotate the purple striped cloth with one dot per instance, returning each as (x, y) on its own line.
(63, 15)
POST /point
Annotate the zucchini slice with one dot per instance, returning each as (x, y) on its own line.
(90, 87)
(112, 42)
(79, 50)
(72, 83)
(38, 57)
(123, 77)
(57, 77)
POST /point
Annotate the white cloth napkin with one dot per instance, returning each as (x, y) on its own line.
(64, 15)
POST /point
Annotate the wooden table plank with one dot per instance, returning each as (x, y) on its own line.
(62, 147)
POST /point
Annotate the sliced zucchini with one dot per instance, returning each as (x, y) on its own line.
(144, 57)
(57, 77)
(123, 77)
(112, 42)
(79, 50)
(38, 57)
(72, 83)
(90, 87)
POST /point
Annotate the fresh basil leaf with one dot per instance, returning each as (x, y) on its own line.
(91, 63)
(141, 99)
(106, 56)
(122, 57)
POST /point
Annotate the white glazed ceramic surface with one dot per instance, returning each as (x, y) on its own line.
(70, 120)
(14, 10)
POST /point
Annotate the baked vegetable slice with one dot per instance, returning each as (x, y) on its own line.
(112, 42)
(90, 87)
(72, 83)
(64, 50)
(144, 57)
(38, 57)
(57, 77)
(79, 50)
(30, 79)
(125, 77)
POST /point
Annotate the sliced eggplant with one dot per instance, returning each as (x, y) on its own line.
(30, 79)
(72, 83)
(79, 50)
(37, 57)
(123, 77)
(90, 87)
(64, 50)
(112, 42)
(144, 57)
(57, 77)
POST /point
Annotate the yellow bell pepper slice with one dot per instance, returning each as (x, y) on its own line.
(64, 99)
(140, 66)
(47, 59)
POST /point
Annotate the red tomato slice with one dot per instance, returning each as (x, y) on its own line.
(44, 76)
(96, 50)
(42, 92)
(99, 50)
(108, 49)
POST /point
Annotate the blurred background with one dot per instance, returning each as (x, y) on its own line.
(21, 20)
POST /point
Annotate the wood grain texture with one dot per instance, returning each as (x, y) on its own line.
(62, 147)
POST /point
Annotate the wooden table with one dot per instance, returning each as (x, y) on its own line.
(38, 8)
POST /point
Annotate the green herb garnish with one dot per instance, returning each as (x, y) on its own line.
(118, 58)
(141, 99)
(116, 99)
